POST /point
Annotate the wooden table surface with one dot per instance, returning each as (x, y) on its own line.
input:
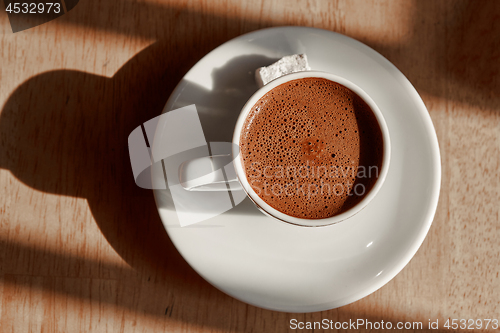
(83, 249)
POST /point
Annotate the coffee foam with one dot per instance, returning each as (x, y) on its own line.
(304, 145)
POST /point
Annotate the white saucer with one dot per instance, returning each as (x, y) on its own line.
(287, 268)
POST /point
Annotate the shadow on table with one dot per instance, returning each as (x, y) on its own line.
(73, 141)
(452, 51)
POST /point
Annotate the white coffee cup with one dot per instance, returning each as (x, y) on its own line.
(214, 181)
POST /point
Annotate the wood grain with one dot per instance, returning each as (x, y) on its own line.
(82, 249)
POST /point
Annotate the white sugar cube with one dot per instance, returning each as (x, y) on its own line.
(286, 65)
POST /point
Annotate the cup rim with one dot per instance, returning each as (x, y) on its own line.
(268, 209)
